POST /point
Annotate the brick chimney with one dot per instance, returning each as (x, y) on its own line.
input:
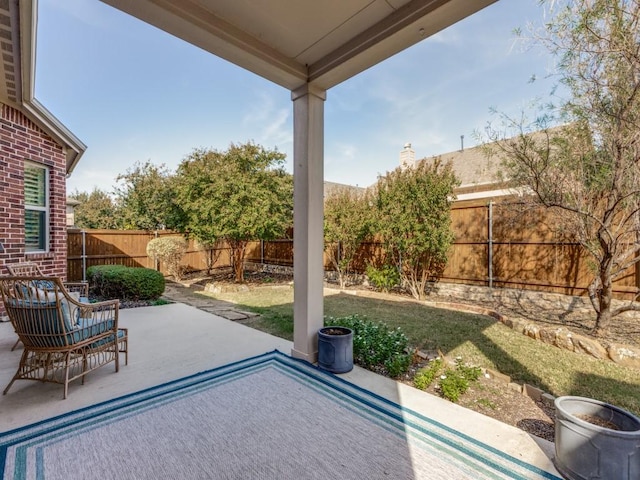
(407, 157)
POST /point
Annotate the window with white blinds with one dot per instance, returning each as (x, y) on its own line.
(36, 207)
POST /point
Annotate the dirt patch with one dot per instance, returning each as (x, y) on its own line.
(600, 422)
(126, 303)
(497, 399)
(251, 278)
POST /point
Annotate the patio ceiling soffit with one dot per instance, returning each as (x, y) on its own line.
(298, 42)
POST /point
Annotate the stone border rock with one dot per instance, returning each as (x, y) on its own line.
(559, 337)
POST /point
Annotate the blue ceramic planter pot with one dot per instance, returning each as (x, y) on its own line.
(335, 349)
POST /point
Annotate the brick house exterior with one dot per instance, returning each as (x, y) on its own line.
(37, 153)
(21, 139)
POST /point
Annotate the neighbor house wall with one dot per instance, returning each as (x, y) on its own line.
(20, 140)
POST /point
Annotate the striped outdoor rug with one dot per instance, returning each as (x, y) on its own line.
(267, 417)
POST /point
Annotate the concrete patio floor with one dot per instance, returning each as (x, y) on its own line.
(172, 341)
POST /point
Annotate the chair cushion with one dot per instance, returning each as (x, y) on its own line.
(48, 330)
(108, 339)
(70, 320)
(87, 328)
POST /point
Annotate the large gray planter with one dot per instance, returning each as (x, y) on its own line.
(335, 349)
(585, 451)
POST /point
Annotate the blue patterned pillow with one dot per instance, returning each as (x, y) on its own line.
(48, 284)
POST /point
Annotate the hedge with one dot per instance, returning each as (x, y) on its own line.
(125, 283)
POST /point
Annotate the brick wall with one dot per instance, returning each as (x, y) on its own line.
(20, 140)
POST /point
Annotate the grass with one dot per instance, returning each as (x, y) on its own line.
(487, 403)
(160, 301)
(478, 339)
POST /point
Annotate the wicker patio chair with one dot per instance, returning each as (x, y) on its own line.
(64, 339)
(31, 269)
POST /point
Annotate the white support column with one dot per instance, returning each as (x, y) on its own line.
(308, 235)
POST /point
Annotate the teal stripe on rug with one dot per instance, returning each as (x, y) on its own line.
(266, 417)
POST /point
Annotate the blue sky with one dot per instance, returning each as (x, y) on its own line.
(132, 93)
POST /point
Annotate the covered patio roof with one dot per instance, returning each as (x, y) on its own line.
(306, 47)
(293, 43)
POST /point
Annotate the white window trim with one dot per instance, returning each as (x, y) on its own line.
(46, 208)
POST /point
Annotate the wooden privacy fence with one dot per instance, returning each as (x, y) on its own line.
(493, 247)
(498, 246)
(86, 248)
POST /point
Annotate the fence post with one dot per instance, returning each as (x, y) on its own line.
(490, 244)
(156, 264)
(84, 255)
(262, 253)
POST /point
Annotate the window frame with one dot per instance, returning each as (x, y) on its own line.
(44, 234)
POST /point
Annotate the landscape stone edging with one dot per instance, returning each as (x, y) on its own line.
(559, 337)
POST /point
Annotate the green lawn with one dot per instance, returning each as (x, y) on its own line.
(478, 339)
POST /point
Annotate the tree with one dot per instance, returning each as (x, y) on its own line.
(346, 224)
(210, 252)
(587, 173)
(145, 198)
(241, 194)
(414, 220)
(96, 210)
(168, 250)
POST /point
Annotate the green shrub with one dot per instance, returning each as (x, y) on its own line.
(455, 382)
(125, 283)
(376, 346)
(168, 250)
(426, 375)
(470, 373)
(453, 385)
(398, 364)
(383, 278)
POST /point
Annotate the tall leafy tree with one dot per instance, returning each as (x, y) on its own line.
(96, 210)
(414, 219)
(587, 174)
(347, 222)
(240, 194)
(145, 198)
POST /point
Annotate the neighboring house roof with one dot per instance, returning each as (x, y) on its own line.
(18, 19)
(480, 173)
(330, 187)
(475, 171)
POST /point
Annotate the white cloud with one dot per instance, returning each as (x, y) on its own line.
(86, 180)
(270, 118)
(447, 36)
